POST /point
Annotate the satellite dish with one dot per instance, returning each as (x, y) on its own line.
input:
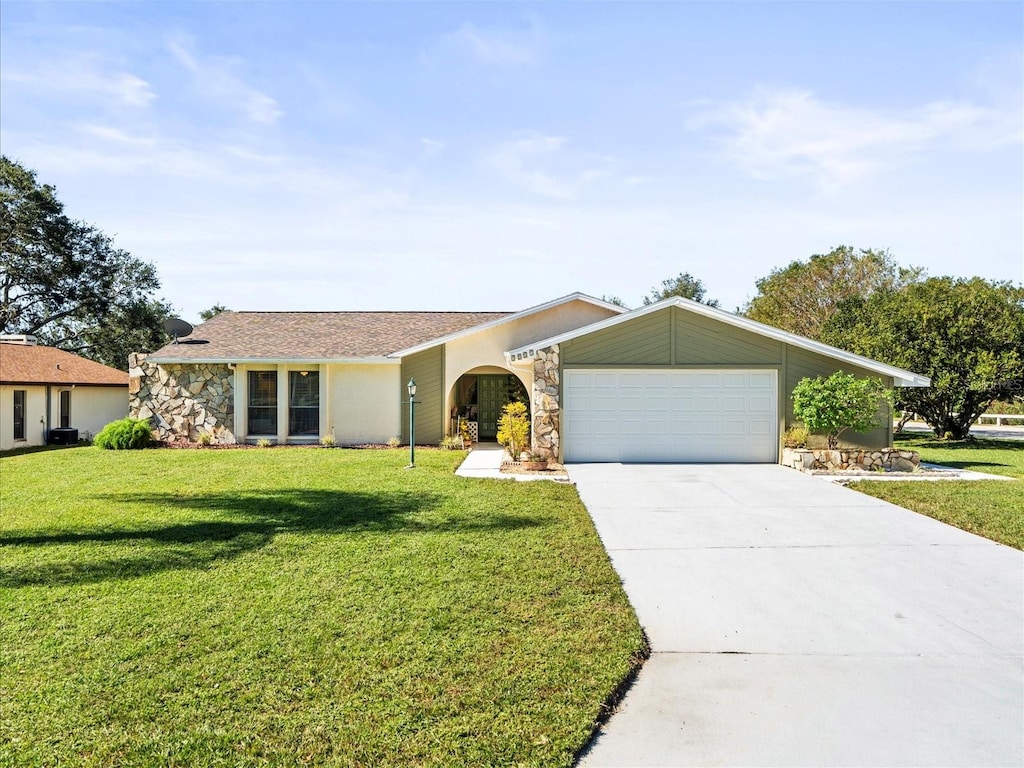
(177, 328)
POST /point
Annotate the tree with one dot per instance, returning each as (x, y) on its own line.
(685, 285)
(213, 311)
(802, 297)
(614, 300)
(832, 405)
(65, 282)
(967, 335)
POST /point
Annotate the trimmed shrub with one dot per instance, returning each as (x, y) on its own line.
(796, 436)
(832, 405)
(451, 443)
(514, 429)
(125, 434)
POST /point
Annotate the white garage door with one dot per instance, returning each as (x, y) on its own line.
(670, 415)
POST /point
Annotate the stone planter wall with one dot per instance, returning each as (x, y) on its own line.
(822, 460)
(546, 407)
(183, 401)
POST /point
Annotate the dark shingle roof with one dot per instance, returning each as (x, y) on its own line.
(317, 335)
(31, 364)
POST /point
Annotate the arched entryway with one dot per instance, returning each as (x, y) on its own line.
(479, 396)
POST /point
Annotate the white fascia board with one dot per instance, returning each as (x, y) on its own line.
(275, 360)
(900, 377)
(508, 319)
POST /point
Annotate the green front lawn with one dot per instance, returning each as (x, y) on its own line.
(298, 607)
(990, 508)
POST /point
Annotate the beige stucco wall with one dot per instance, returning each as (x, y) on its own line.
(358, 403)
(92, 408)
(363, 403)
(485, 349)
(35, 416)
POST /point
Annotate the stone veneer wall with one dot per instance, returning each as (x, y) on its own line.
(183, 401)
(812, 460)
(546, 406)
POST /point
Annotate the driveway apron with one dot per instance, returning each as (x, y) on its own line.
(794, 622)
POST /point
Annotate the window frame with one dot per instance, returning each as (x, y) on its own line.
(19, 420)
(304, 417)
(268, 412)
(64, 409)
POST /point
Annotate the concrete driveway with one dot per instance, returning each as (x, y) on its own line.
(796, 622)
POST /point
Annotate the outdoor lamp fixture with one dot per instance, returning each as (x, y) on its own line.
(411, 386)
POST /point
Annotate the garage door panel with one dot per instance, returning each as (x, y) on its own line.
(762, 427)
(665, 415)
(681, 404)
(734, 427)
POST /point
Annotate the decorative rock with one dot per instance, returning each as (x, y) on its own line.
(546, 406)
(889, 459)
(178, 398)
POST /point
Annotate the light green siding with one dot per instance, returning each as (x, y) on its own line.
(645, 340)
(802, 363)
(700, 340)
(673, 337)
(427, 368)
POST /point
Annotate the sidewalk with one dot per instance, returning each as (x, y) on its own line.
(1006, 432)
(484, 460)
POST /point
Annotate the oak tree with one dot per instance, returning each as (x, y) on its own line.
(65, 282)
(684, 285)
(804, 295)
(966, 334)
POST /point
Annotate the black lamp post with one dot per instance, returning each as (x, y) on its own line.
(411, 386)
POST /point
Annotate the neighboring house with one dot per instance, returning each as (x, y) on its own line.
(672, 381)
(44, 388)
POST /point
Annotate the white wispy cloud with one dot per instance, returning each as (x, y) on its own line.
(500, 47)
(540, 165)
(82, 77)
(789, 133)
(216, 77)
(430, 148)
(516, 162)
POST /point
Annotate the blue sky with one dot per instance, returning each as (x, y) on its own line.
(475, 156)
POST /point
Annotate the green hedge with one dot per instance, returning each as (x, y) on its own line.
(125, 434)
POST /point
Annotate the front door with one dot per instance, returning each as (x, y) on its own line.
(492, 394)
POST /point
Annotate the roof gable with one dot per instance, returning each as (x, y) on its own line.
(324, 336)
(901, 378)
(31, 364)
(511, 318)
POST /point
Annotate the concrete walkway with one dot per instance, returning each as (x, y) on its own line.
(799, 623)
(484, 460)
